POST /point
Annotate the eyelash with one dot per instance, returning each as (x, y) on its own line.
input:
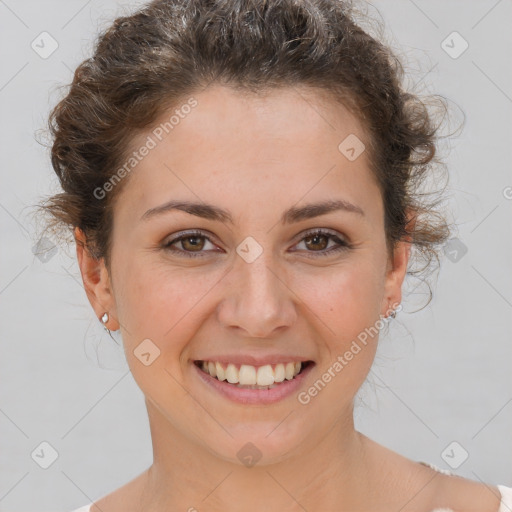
(342, 244)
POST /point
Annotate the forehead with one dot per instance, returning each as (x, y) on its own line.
(224, 117)
(241, 146)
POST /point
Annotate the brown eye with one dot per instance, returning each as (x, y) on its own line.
(188, 245)
(193, 243)
(316, 242)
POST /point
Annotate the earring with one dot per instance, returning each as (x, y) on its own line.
(394, 312)
(104, 319)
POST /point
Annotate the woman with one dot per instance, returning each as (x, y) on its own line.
(242, 180)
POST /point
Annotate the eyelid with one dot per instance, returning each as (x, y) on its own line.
(199, 233)
(188, 232)
(342, 243)
(323, 231)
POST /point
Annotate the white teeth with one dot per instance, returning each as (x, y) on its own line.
(279, 373)
(289, 370)
(265, 375)
(232, 374)
(221, 374)
(249, 375)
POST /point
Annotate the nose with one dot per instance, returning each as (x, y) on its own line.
(258, 300)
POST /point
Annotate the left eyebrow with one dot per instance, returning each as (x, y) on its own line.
(206, 211)
(290, 216)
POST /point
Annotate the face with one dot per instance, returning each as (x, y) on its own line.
(270, 280)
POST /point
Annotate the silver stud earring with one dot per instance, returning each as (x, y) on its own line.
(393, 313)
(104, 319)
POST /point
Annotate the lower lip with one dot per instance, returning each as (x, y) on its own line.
(255, 396)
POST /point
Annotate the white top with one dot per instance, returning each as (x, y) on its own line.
(506, 494)
(505, 504)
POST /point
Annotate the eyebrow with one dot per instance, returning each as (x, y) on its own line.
(290, 216)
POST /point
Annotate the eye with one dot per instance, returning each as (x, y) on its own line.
(193, 243)
(320, 239)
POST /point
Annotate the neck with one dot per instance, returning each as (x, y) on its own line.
(185, 475)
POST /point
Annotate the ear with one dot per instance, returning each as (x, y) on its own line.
(397, 268)
(96, 281)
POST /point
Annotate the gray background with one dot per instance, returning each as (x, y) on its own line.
(441, 375)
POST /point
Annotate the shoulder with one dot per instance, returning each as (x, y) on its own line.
(416, 486)
(123, 498)
(459, 493)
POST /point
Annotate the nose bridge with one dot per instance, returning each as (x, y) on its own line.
(259, 277)
(260, 301)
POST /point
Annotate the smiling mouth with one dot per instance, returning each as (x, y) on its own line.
(253, 377)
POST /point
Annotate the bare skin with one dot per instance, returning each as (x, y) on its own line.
(257, 157)
(401, 485)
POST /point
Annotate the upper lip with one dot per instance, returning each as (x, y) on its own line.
(253, 360)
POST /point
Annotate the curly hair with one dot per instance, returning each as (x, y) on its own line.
(149, 61)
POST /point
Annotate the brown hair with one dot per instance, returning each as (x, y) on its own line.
(151, 60)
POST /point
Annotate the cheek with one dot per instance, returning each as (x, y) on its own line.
(162, 303)
(160, 306)
(347, 298)
(347, 307)
(168, 304)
